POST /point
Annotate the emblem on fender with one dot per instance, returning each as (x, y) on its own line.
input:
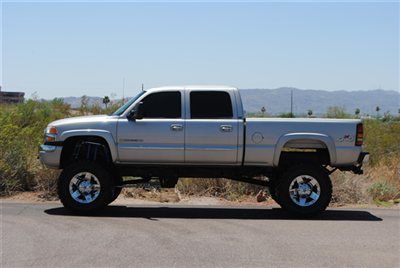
(345, 138)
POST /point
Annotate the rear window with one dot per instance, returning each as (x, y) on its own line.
(210, 104)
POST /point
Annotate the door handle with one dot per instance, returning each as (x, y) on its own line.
(176, 127)
(226, 128)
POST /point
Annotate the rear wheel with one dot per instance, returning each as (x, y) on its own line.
(304, 190)
(272, 193)
(85, 186)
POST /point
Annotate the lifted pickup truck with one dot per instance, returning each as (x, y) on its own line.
(200, 132)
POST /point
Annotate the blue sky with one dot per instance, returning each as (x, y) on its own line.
(71, 49)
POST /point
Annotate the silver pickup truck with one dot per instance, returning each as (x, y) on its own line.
(200, 132)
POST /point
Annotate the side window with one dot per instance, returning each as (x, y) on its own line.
(210, 104)
(162, 105)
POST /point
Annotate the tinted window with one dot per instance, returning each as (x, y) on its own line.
(162, 105)
(210, 104)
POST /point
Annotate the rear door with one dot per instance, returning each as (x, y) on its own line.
(211, 134)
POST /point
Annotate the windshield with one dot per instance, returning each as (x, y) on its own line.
(122, 109)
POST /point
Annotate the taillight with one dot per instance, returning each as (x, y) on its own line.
(359, 134)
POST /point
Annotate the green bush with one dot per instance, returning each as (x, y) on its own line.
(382, 139)
(21, 132)
(383, 191)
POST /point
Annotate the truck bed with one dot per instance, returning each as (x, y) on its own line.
(267, 137)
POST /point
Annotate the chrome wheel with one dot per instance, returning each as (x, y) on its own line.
(84, 187)
(304, 190)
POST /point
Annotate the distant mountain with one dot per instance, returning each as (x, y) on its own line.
(277, 100)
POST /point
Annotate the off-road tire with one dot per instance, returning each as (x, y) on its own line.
(116, 191)
(283, 195)
(104, 177)
(272, 193)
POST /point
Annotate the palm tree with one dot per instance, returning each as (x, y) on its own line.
(106, 101)
(377, 109)
(357, 112)
(263, 110)
(83, 109)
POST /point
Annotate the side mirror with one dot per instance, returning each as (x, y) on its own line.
(137, 112)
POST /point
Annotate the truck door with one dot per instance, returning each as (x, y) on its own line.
(159, 136)
(212, 126)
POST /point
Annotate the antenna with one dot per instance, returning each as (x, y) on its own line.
(123, 89)
(142, 87)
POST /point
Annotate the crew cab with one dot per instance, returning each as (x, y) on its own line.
(201, 132)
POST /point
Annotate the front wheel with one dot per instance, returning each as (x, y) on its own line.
(117, 188)
(85, 187)
(304, 190)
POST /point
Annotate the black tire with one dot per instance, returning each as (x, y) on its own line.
(116, 191)
(272, 193)
(325, 185)
(272, 189)
(168, 182)
(102, 175)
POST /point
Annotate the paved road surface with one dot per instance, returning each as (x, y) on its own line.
(45, 235)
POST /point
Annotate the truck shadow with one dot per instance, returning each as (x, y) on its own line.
(151, 212)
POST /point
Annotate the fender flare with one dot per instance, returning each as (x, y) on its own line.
(325, 139)
(106, 135)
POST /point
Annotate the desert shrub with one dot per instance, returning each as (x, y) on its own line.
(380, 182)
(382, 140)
(228, 189)
(337, 112)
(348, 188)
(20, 135)
(384, 191)
(46, 182)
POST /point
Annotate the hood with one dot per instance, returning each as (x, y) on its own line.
(81, 120)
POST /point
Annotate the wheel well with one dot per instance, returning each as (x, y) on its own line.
(93, 148)
(304, 151)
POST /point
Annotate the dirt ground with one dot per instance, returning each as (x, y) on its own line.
(169, 196)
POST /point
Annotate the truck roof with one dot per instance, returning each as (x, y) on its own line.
(193, 87)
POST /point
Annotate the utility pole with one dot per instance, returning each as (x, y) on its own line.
(291, 103)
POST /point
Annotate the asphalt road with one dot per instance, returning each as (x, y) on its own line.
(46, 235)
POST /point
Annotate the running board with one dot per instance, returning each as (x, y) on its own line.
(241, 179)
(251, 181)
(133, 182)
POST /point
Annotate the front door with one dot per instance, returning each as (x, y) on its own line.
(159, 136)
(211, 129)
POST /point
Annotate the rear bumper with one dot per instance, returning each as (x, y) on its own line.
(363, 158)
(50, 155)
(357, 168)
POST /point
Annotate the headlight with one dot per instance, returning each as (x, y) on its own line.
(51, 130)
(50, 135)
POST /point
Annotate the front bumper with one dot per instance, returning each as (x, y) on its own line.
(50, 155)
